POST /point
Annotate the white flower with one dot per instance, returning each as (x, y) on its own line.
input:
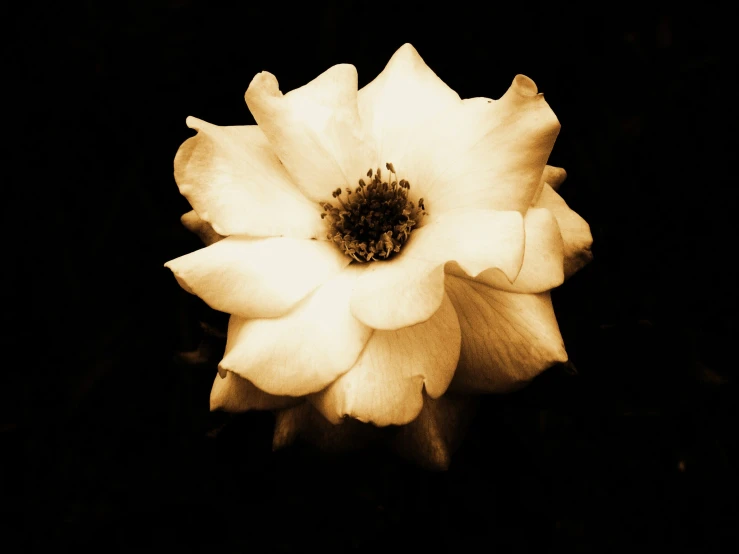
(464, 301)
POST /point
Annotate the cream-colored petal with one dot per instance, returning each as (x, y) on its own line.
(304, 350)
(542, 268)
(235, 394)
(385, 386)
(235, 183)
(482, 153)
(553, 176)
(575, 231)
(405, 95)
(315, 129)
(409, 288)
(202, 229)
(253, 277)
(507, 338)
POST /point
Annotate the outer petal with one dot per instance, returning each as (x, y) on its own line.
(304, 350)
(405, 95)
(251, 277)
(575, 231)
(315, 129)
(482, 153)
(542, 267)
(234, 394)
(409, 288)
(552, 176)
(235, 183)
(385, 386)
(202, 229)
(507, 338)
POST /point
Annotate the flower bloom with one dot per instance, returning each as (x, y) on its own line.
(378, 247)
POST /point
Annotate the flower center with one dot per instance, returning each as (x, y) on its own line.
(376, 220)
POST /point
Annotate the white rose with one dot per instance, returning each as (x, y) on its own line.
(433, 274)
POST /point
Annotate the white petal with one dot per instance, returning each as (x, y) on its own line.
(385, 385)
(507, 338)
(409, 288)
(202, 229)
(304, 350)
(542, 268)
(315, 130)
(251, 277)
(405, 95)
(235, 183)
(483, 153)
(575, 231)
(234, 394)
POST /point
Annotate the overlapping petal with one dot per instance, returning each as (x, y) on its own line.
(202, 229)
(304, 350)
(409, 288)
(234, 394)
(315, 130)
(575, 231)
(507, 338)
(552, 176)
(404, 96)
(257, 277)
(386, 384)
(483, 153)
(542, 268)
(235, 183)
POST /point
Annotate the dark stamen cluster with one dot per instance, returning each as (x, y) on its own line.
(375, 221)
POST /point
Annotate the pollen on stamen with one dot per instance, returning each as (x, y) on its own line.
(376, 221)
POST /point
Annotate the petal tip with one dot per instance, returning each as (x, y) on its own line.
(525, 86)
(265, 83)
(554, 176)
(194, 123)
(406, 54)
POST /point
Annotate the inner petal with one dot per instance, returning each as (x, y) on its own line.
(483, 153)
(315, 130)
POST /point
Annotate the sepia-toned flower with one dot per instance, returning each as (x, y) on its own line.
(378, 247)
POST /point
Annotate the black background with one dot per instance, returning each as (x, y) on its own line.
(107, 436)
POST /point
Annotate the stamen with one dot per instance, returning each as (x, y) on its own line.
(376, 221)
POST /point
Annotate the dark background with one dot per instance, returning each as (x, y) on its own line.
(106, 433)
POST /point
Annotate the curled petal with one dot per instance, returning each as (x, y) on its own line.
(542, 267)
(553, 176)
(235, 183)
(202, 229)
(385, 386)
(575, 231)
(483, 153)
(315, 130)
(234, 394)
(409, 288)
(507, 338)
(251, 277)
(304, 350)
(405, 95)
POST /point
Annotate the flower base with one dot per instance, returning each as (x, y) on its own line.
(428, 441)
